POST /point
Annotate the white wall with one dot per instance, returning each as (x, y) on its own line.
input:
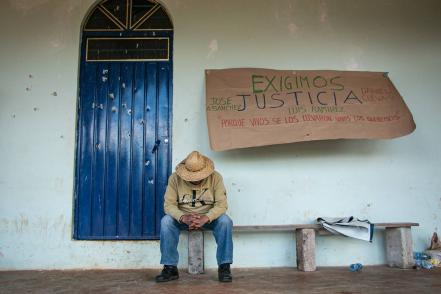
(382, 180)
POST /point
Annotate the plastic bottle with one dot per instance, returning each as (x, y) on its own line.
(426, 264)
(422, 260)
(355, 267)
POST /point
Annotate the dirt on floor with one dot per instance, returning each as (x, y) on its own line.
(378, 279)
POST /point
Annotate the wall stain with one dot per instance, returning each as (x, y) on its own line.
(59, 181)
(213, 48)
(366, 208)
(323, 11)
(25, 6)
(293, 28)
(63, 15)
(47, 227)
(4, 225)
(21, 224)
(308, 214)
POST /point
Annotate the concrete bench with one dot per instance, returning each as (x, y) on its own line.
(399, 252)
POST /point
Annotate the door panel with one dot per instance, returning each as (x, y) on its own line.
(138, 133)
(150, 162)
(125, 152)
(124, 110)
(112, 151)
(85, 140)
(163, 130)
(99, 150)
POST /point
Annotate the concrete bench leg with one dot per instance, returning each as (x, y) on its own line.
(399, 251)
(196, 252)
(305, 246)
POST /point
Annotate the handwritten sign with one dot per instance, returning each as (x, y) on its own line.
(254, 107)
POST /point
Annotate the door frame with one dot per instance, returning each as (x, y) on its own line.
(82, 59)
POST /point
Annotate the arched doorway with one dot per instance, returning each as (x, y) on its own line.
(123, 141)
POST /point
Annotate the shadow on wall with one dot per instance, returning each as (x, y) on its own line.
(310, 149)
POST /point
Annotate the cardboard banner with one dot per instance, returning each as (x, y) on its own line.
(254, 107)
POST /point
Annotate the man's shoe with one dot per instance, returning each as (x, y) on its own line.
(224, 273)
(169, 273)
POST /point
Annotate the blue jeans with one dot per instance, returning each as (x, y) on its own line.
(222, 228)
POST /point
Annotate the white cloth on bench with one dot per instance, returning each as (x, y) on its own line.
(348, 226)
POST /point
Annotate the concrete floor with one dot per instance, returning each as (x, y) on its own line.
(376, 279)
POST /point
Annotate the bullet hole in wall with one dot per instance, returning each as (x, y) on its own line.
(54, 93)
(36, 108)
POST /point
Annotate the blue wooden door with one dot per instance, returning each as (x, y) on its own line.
(123, 128)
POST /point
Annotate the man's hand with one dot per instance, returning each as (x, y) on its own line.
(187, 219)
(198, 221)
(194, 221)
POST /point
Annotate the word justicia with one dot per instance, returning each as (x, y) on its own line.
(296, 98)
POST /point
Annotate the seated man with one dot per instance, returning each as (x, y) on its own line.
(195, 199)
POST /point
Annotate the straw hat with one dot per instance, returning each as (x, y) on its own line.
(195, 167)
